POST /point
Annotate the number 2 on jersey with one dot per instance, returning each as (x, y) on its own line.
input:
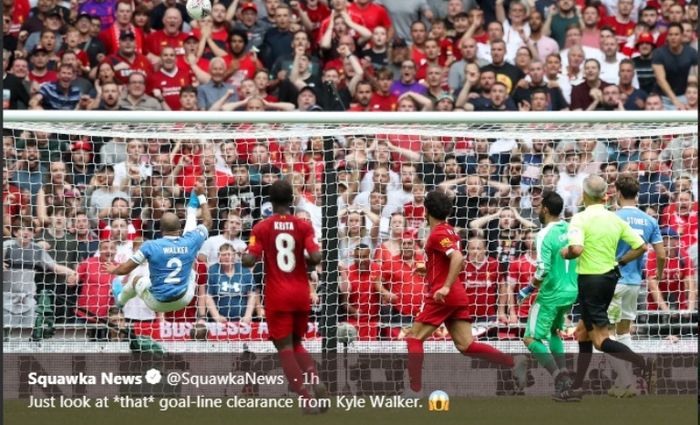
(286, 261)
(173, 275)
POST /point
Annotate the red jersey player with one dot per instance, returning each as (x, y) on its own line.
(446, 299)
(283, 238)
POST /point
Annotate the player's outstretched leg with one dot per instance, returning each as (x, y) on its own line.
(603, 342)
(461, 332)
(124, 292)
(625, 380)
(414, 343)
(294, 374)
(585, 352)
(308, 366)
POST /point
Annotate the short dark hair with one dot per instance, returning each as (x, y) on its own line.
(438, 204)
(269, 169)
(240, 33)
(628, 186)
(384, 73)
(674, 25)
(361, 246)
(281, 193)
(536, 90)
(550, 167)
(119, 198)
(553, 202)
(605, 165)
(188, 89)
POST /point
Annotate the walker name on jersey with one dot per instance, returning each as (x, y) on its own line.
(175, 250)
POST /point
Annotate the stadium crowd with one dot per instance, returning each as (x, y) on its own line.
(367, 55)
(75, 204)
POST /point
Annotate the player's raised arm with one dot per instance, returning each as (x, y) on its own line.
(248, 260)
(576, 236)
(314, 256)
(200, 189)
(255, 248)
(456, 267)
(123, 268)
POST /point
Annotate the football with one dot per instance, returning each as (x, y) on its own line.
(198, 9)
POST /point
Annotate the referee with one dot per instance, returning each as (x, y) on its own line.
(593, 237)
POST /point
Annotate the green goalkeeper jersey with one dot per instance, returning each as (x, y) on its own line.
(559, 281)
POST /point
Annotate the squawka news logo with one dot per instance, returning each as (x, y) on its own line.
(438, 401)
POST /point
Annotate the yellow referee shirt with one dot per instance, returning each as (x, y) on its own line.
(598, 231)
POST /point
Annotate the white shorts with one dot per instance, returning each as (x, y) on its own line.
(624, 303)
(143, 290)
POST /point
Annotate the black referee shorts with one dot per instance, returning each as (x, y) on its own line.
(595, 291)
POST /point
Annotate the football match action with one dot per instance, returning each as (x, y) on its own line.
(474, 212)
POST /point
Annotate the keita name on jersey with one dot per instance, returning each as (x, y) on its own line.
(284, 225)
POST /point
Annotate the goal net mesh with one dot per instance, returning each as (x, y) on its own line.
(78, 196)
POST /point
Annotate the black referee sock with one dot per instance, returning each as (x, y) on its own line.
(585, 352)
(621, 351)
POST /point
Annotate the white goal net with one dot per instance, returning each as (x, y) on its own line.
(82, 191)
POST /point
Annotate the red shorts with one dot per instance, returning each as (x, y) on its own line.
(281, 324)
(436, 314)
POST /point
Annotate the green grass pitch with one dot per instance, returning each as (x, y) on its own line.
(600, 410)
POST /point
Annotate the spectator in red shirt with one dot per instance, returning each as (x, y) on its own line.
(187, 174)
(678, 288)
(40, 72)
(15, 203)
(382, 99)
(95, 296)
(344, 20)
(419, 35)
(214, 30)
(166, 84)
(373, 15)
(432, 58)
(357, 292)
(363, 97)
(169, 36)
(520, 274)
(482, 280)
(622, 23)
(400, 282)
(127, 59)
(414, 211)
(682, 217)
(391, 247)
(476, 26)
(240, 65)
(111, 37)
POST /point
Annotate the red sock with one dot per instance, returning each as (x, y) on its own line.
(304, 359)
(415, 363)
(489, 353)
(293, 372)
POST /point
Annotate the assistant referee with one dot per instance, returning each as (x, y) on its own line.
(593, 237)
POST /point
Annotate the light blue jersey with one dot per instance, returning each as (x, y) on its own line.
(170, 261)
(646, 227)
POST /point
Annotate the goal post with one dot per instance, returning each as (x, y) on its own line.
(488, 162)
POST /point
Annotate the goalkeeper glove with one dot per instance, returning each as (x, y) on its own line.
(525, 292)
(194, 201)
